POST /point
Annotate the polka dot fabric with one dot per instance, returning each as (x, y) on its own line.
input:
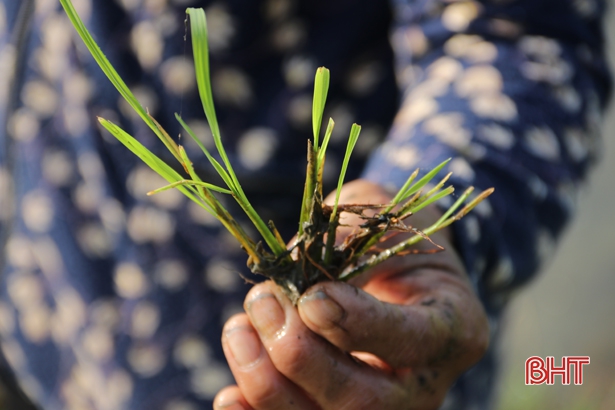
(110, 299)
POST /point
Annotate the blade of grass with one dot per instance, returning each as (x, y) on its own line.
(154, 162)
(352, 141)
(198, 30)
(472, 204)
(355, 130)
(142, 153)
(200, 49)
(113, 76)
(441, 223)
(412, 206)
(424, 180)
(211, 204)
(325, 143)
(454, 207)
(220, 212)
(398, 197)
(407, 190)
(402, 246)
(321, 89)
(221, 171)
(316, 155)
(428, 195)
(190, 182)
(417, 207)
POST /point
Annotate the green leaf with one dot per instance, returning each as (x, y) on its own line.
(325, 143)
(424, 181)
(352, 141)
(200, 50)
(221, 171)
(316, 156)
(190, 182)
(422, 199)
(398, 197)
(454, 207)
(417, 207)
(114, 77)
(321, 89)
(155, 163)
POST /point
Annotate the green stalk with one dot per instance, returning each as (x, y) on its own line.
(352, 141)
(440, 224)
(322, 151)
(200, 49)
(313, 178)
(309, 188)
(198, 25)
(219, 169)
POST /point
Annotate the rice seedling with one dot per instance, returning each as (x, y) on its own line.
(313, 255)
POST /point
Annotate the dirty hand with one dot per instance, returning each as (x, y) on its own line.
(397, 338)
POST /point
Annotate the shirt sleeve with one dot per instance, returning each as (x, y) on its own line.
(513, 92)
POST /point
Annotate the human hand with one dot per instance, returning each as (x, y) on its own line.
(397, 343)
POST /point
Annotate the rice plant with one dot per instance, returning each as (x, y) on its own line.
(313, 255)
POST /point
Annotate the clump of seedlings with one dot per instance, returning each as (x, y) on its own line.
(313, 256)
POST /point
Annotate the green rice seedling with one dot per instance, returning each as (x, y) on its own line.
(313, 254)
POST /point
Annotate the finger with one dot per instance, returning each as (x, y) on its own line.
(332, 377)
(262, 386)
(401, 335)
(231, 398)
(362, 192)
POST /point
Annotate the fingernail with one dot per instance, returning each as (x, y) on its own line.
(230, 406)
(321, 310)
(244, 344)
(266, 314)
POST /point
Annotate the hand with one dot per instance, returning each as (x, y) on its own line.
(397, 343)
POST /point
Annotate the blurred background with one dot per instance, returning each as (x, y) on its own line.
(570, 308)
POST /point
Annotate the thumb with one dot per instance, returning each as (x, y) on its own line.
(353, 320)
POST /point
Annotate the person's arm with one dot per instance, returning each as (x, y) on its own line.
(512, 91)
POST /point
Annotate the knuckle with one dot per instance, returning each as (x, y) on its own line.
(293, 357)
(264, 393)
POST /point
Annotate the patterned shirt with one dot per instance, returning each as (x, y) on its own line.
(110, 299)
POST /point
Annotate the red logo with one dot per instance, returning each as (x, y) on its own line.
(539, 371)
